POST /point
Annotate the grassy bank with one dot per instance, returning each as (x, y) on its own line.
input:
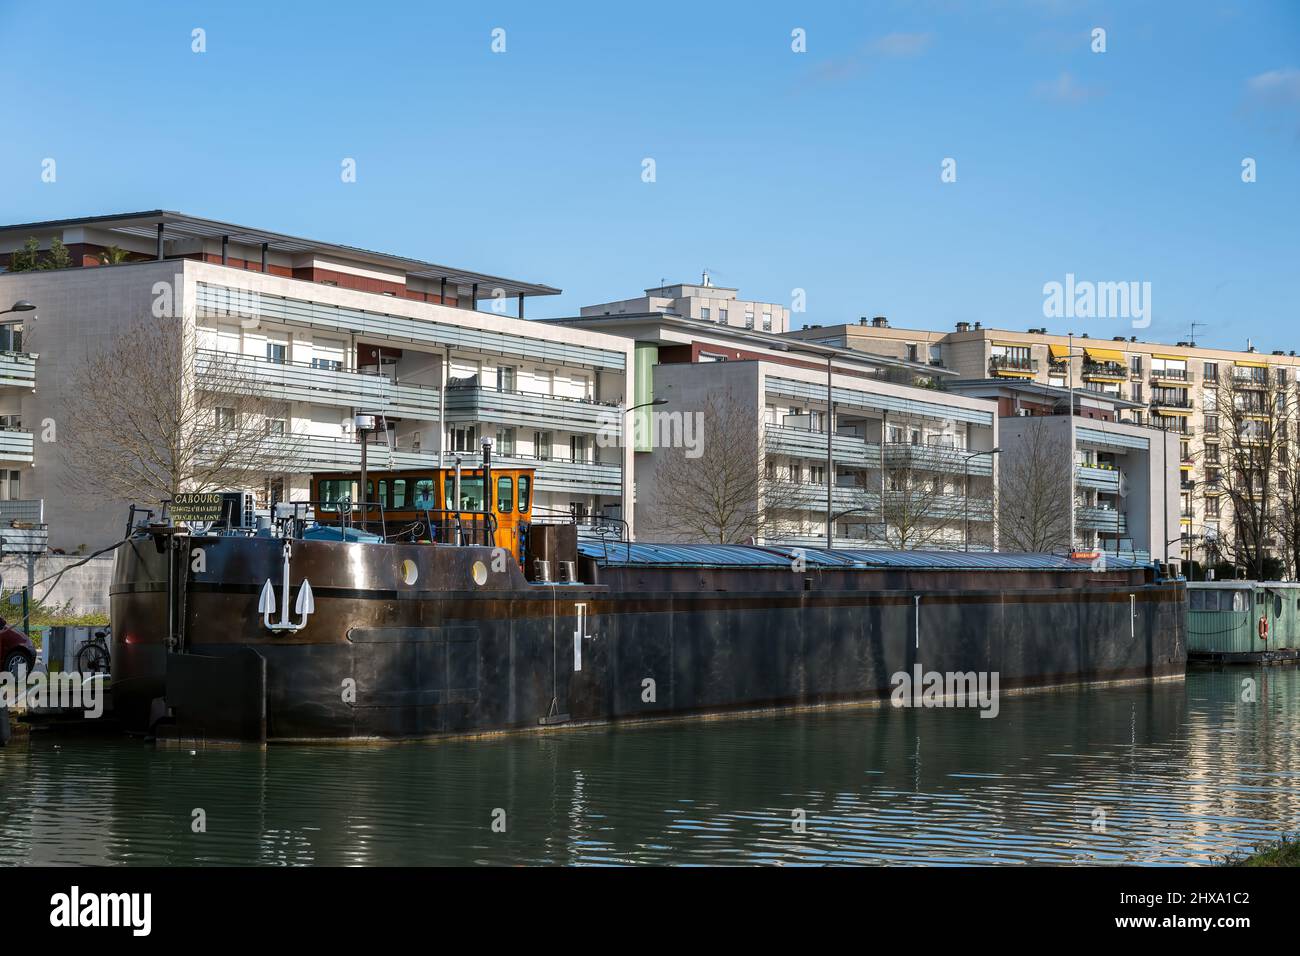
(1285, 852)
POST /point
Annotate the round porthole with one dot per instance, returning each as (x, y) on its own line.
(409, 571)
(480, 573)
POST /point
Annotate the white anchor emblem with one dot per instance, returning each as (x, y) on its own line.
(303, 607)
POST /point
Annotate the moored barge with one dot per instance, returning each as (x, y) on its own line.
(309, 632)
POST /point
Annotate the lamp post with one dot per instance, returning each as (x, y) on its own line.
(830, 438)
(966, 490)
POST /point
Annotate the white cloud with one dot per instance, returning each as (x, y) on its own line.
(1066, 89)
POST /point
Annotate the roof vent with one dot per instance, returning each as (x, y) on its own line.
(1132, 338)
(1278, 352)
(862, 320)
(1184, 345)
(963, 326)
(978, 326)
(1118, 338)
(880, 322)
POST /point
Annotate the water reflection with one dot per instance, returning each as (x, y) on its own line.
(1169, 773)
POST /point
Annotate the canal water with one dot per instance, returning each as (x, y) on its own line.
(1172, 773)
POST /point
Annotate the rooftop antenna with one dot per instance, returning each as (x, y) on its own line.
(1192, 335)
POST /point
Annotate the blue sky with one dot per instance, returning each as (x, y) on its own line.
(775, 170)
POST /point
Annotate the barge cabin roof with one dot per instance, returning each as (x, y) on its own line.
(641, 554)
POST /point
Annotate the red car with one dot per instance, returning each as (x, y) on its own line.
(16, 649)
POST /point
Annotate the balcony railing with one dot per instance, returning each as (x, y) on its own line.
(559, 474)
(16, 445)
(302, 382)
(1106, 520)
(939, 458)
(939, 506)
(1009, 364)
(1169, 375)
(481, 404)
(1108, 370)
(1101, 479)
(18, 369)
(1170, 401)
(805, 443)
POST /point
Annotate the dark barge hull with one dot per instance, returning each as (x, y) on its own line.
(412, 641)
(1282, 655)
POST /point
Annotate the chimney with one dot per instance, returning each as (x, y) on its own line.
(978, 326)
(963, 326)
(862, 320)
(880, 322)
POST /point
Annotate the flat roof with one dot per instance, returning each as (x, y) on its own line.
(1038, 388)
(772, 341)
(176, 225)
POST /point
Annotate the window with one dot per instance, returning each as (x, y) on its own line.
(11, 337)
(505, 495)
(767, 321)
(505, 442)
(398, 499)
(424, 497)
(542, 442)
(1210, 371)
(1281, 376)
(471, 493)
(1211, 424)
(578, 448)
(704, 314)
(14, 485)
(329, 365)
(334, 490)
(464, 438)
(275, 491)
(1211, 507)
(525, 493)
(1212, 452)
(749, 318)
(225, 419)
(505, 378)
(722, 316)
(275, 352)
(912, 354)
(275, 426)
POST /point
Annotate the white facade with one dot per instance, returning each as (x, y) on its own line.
(704, 301)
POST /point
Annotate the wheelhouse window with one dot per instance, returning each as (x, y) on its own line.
(525, 493)
(423, 495)
(471, 493)
(334, 490)
(505, 494)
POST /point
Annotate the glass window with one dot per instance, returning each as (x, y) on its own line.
(275, 352)
(1195, 599)
(399, 493)
(424, 496)
(334, 490)
(505, 495)
(1240, 601)
(471, 493)
(525, 493)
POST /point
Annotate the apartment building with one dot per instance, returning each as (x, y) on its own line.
(321, 332)
(1169, 387)
(705, 302)
(1127, 495)
(909, 465)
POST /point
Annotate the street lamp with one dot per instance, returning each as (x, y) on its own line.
(830, 438)
(22, 305)
(966, 496)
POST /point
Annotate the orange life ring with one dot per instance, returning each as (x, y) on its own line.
(1263, 627)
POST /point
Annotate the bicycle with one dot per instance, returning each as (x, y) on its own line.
(94, 656)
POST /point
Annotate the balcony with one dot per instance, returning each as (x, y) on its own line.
(302, 382)
(1169, 375)
(476, 403)
(1177, 424)
(1171, 401)
(941, 506)
(1107, 520)
(1006, 365)
(1104, 371)
(1101, 479)
(803, 443)
(18, 369)
(16, 445)
(939, 458)
(812, 497)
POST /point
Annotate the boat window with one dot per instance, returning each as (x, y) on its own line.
(1196, 600)
(505, 495)
(525, 493)
(399, 493)
(424, 497)
(1240, 601)
(334, 490)
(471, 493)
(1277, 604)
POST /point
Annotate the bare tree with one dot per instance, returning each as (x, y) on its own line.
(148, 422)
(1286, 490)
(721, 495)
(920, 509)
(1251, 414)
(1034, 491)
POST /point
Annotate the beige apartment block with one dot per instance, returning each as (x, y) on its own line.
(704, 301)
(371, 334)
(1171, 387)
